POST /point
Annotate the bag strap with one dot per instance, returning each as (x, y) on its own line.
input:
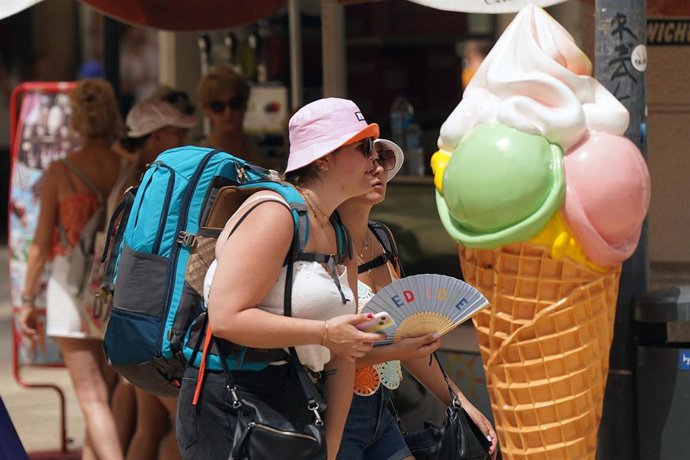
(390, 250)
(314, 401)
(62, 232)
(84, 178)
(122, 209)
(454, 398)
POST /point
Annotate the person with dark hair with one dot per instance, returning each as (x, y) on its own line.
(71, 191)
(371, 432)
(152, 126)
(223, 96)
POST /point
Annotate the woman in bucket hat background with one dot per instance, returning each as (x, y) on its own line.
(371, 432)
(331, 159)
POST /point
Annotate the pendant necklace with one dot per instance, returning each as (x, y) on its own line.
(366, 247)
(315, 210)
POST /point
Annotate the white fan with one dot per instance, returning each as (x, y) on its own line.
(422, 304)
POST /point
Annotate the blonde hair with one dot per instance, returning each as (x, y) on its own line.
(95, 113)
(218, 80)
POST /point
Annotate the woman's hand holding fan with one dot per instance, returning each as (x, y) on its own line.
(424, 304)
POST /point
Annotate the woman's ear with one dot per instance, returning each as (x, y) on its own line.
(323, 164)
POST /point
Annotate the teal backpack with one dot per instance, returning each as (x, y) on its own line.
(158, 255)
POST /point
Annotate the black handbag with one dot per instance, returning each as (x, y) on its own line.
(264, 433)
(458, 438)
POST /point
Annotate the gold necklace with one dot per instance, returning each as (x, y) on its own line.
(362, 259)
(366, 245)
(314, 209)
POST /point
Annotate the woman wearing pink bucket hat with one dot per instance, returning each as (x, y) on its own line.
(331, 159)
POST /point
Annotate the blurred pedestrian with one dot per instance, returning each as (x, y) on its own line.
(72, 190)
(223, 96)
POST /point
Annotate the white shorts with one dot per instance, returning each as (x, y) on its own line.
(64, 317)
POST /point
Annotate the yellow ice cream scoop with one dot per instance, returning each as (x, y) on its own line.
(562, 243)
(439, 160)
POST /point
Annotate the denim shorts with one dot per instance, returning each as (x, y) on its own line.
(371, 432)
(206, 431)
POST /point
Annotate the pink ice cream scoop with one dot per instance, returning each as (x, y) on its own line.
(607, 196)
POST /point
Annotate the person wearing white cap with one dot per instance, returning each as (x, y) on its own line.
(331, 159)
(152, 126)
(371, 432)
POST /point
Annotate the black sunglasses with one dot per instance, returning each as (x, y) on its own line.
(234, 103)
(386, 157)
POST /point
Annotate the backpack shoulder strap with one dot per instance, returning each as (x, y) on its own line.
(84, 178)
(390, 249)
(294, 200)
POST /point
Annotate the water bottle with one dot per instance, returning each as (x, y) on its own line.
(414, 152)
(402, 114)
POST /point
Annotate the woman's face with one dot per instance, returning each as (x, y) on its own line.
(355, 163)
(163, 139)
(226, 113)
(379, 179)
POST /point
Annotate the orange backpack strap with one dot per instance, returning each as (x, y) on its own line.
(202, 366)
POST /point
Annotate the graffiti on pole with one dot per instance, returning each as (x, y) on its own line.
(621, 64)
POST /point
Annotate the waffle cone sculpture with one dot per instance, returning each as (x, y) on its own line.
(545, 347)
(546, 198)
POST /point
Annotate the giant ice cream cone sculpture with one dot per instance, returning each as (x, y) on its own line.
(546, 199)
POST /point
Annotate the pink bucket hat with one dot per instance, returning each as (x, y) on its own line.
(322, 126)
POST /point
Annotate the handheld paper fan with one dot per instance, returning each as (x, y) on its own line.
(422, 304)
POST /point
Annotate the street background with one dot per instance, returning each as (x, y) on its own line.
(34, 412)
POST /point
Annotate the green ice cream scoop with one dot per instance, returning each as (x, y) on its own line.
(500, 186)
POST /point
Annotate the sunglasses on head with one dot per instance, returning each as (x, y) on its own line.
(385, 157)
(234, 103)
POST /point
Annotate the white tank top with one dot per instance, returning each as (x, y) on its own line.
(314, 296)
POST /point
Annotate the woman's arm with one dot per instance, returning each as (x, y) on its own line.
(338, 385)
(432, 378)
(405, 349)
(249, 264)
(39, 251)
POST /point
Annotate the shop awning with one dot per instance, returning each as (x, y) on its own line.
(10, 7)
(175, 15)
(187, 15)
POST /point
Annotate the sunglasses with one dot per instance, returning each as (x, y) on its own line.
(385, 157)
(234, 103)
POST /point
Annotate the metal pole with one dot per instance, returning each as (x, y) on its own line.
(111, 52)
(333, 49)
(295, 24)
(620, 64)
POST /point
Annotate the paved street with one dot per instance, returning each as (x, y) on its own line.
(34, 412)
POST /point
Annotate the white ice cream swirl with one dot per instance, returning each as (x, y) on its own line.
(536, 80)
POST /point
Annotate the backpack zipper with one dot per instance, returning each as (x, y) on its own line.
(164, 214)
(182, 220)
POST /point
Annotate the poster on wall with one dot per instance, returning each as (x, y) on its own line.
(41, 135)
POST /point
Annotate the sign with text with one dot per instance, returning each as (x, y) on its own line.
(668, 32)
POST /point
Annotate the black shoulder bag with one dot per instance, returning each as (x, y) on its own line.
(458, 438)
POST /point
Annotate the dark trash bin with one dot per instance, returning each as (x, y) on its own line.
(663, 373)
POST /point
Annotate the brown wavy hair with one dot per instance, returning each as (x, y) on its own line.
(95, 113)
(218, 80)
